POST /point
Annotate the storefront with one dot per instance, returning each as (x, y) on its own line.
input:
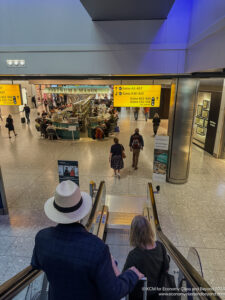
(73, 110)
(207, 132)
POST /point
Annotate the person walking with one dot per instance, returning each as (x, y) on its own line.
(136, 144)
(156, 122)
(26, 109)
(146, 112)
(136, 112)
(33, 99)
(10, 126)
(116, 157)
(77, 263)
(149, 256)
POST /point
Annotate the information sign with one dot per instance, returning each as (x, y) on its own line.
(68, 170)
(137, 95)
(10, 94)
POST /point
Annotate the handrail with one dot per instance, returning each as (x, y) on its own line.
(187, 269)
(14, 285)
(97, 199)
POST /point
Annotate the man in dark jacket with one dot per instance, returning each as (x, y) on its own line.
(78, 264)
(27, 113)
(33, 99)
(136, 144)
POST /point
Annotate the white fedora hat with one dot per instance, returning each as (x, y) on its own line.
(69, 204)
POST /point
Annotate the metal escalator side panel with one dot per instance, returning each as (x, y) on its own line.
(97, 205)
(103, 222)
(189, 272)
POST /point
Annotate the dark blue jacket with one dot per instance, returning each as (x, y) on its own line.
(78, 265)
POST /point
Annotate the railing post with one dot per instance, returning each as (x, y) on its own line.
(145, 288)
(44, 292)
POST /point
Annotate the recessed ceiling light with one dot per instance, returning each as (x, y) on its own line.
(9, 62)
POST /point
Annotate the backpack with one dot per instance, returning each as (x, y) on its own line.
(136, 142)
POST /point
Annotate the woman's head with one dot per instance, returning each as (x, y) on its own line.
(156, 115)
(116, 140)
(9, 116)
(141, 233)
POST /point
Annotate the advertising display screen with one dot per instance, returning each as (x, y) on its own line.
(137, 95)
(68, 170)
(160, 158)
(10, 94)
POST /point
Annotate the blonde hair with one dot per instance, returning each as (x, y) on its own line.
(156, 115)
(141, 233)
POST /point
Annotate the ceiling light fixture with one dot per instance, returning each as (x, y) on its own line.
(15, 62)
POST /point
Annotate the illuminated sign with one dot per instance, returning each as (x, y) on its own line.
(137, 95)
(10, 94)
(78, 90)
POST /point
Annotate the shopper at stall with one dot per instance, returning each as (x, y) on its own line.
(38, 121)
(51, 132)
(26, 109)
(77, 263)
(99, 133)
(156, 122)
(148, 255)
(95, 111)
(44, 114)
(43, 128)
(116, 157)
(136, 144)
(9, 124)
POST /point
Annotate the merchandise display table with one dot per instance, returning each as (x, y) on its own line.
(67, 131)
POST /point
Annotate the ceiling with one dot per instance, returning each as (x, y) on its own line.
(115, 10)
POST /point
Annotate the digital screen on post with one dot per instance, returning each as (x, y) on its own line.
(68, 170)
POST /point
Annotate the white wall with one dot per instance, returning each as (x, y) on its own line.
(207, 36)
(59, 37)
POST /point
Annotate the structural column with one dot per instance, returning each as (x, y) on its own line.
(181, 116)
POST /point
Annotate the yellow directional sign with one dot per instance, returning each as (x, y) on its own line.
(10, 94)
(137, 95)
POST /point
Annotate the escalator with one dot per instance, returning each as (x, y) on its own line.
(32, 284)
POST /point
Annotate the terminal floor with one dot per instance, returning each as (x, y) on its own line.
(192, 214)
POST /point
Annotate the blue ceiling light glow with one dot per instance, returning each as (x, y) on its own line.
(170, 34)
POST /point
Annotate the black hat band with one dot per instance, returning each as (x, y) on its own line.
(68, 209)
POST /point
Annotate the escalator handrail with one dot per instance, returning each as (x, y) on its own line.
(17, 283)
(96, 203)
(14, 285)
(187, 269)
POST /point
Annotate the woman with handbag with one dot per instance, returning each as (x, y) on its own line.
(9, 125)
(116, 157)
(148, 256)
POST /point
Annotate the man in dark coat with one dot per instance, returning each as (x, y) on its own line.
(136, 144)
(77, 263)
(27, 113)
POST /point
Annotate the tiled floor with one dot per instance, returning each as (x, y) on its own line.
(191, 214)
